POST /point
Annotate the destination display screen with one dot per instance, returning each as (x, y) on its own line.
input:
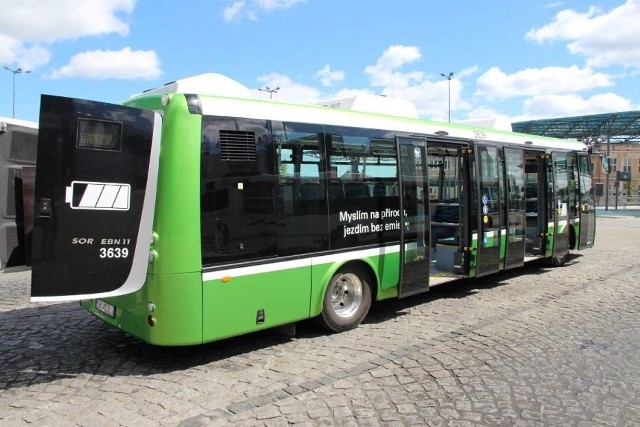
(99, 134)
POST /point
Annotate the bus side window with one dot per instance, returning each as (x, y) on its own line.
(362, 172)
(302, 205)
(356, 189)
(379, 189)
(238, 190)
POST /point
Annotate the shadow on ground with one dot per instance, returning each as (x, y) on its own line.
(45, 343)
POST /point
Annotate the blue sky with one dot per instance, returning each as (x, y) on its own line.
(515, 59)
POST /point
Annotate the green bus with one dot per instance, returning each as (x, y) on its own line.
(194, 213)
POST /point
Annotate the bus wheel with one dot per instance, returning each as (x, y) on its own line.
(559, 261)
(347, 300)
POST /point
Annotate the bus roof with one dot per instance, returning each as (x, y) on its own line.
(360, 111)
(379, 104)
(212, 84)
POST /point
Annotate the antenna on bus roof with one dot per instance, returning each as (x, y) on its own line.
(203, 84)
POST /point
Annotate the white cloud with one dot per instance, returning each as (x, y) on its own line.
(328, 77)
(551, 91)
(232, 13)
(496, 84)
(467, 72)
(51, 21)
(430, 94)
(100, 64)
(385, 71)
(553, 5)
(13, 51)
(546, 106)
(251, 9)
(277, 4)
(432, 97)
(27, 27)
(605, 39)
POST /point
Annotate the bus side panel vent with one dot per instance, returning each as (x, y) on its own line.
(237, 146)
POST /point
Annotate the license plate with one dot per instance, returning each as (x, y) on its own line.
(106, 308)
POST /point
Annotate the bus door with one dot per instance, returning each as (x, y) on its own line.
(488, 194)
(515, 207)
(587, 209)
(95, 192)
(468, 221)
(536, 207)
(414, 206)
(561, 206)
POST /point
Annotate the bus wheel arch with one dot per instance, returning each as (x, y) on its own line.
(347, 297)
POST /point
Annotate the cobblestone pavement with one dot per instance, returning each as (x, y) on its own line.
(534, 346)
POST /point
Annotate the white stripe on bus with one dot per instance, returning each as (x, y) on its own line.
(270, 267)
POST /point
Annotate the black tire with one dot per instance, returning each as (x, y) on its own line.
(347, 300)
(558, 261)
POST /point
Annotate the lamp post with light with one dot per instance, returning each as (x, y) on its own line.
(448, 77)
(271, 91)
(18, 70)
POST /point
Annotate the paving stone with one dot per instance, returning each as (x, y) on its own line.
(528, 347)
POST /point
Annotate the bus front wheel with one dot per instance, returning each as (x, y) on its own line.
(347, 300)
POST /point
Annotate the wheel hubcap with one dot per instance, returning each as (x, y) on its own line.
(347, 295)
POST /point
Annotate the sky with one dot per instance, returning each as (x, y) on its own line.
(510, 59)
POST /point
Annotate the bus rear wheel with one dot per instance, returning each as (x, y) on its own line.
(347, 300)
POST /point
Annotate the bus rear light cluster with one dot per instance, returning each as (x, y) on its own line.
(151, 307)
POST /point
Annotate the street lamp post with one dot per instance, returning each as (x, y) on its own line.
(18, 70)
(606, 177)
(271, 91)
(448, 77)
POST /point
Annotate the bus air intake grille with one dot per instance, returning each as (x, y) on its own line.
(237, 146)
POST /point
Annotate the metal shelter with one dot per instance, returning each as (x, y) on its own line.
(615, 127)
(598, 130)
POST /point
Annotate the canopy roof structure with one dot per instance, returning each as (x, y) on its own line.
(597, 128)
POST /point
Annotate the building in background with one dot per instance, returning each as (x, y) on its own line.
(615, 138)
(624, 176)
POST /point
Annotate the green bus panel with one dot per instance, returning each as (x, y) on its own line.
(550, 239)
(173, 301)
(178, 202)
(234, 305)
